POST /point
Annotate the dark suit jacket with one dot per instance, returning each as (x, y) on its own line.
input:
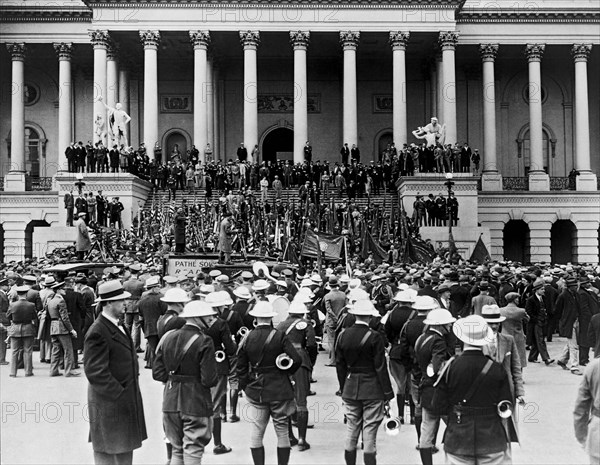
(362, 371)
(538, 315)
(568, 308)
(588, 307)
(594, 334)
(198, 363)
(151, 308)
(117, 423)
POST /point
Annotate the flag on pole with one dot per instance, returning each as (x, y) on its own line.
(480, 252)
(317, 244)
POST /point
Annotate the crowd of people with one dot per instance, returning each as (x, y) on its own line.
(445, 341)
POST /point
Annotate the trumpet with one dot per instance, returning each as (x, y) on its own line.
(504, 409)
(243, 331)
(392, 426)
(257, 267)
(220, 356)
(283, 362)
(313, 322)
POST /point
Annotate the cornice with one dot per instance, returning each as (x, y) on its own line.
(529, 16)
(254, 4)
(11, 14)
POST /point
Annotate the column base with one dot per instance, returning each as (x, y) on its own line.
(539, 181)
(491, 181)
(14, 181)
(586, 181)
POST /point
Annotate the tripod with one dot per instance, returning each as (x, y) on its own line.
(100, 247)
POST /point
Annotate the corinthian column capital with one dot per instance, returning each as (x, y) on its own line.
(250, 39)
(488, 52)
(200, 39)
(99, 38)
(64, 50)
(534, 52)
(398, 40)
(581, 52)
(150, 39)
(349, 39)
(448, 40)
(300, 39)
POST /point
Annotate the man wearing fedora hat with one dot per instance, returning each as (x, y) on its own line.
(469, 389)
(151, 308)
(61, 332)
(82, 242)
(538, 318)
(185, 362)
(23, 318)
(268, 389)
(111, 367)
(483, 298)
(364, 382)
(334, 301)
(302, 335)
(432, 350)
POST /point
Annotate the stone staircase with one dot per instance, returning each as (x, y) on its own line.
(198, 196)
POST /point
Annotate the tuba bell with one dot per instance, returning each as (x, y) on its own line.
(220, 356)
(243, 331)
(392, 426)
(257, 267)
(504, 409)
(283, 362)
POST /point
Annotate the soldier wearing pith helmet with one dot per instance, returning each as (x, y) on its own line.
(364, 381)
(185, 362)
(267, 386)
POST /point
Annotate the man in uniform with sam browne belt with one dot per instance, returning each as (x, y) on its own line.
(268, 388)
(185, 362)
(472, 389)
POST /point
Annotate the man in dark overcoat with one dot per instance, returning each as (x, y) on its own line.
(116, 412)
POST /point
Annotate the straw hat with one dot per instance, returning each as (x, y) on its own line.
(112, 290)
(491, 314)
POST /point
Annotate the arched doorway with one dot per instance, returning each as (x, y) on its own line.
(172, 138)
(563, 241)
(29, 236)
(516, 241)
(278, 144)
(384, 139)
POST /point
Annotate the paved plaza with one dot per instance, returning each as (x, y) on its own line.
(44, 421)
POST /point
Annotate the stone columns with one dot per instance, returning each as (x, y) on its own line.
(200, 41)
(491, 180)
(349, 41)
(124, 90)
(398, 41)
(15, 179)
(439, 74)
(538, 178)
(210, 105)
(150, 40)
(65, 107)
(447, 41)
(112, 76)
(586, 181)
(250, 41)
(100, 41)
(299, 41)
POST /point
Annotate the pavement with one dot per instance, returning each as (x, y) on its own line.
(45, 421)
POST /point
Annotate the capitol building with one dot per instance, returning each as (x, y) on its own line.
(517, 80)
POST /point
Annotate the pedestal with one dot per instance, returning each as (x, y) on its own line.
(586, 181)
(491, 182)
(539, 181)
(14, 181)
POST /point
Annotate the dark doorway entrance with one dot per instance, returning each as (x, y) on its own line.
(278, 145)
(385, 139)
(516, 241)
(563, 237)
(29, 252)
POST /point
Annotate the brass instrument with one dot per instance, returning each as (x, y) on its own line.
(504, 409)
(257, 267)
(283, 362)
(243, 331)
(220, 356)
(392, 426)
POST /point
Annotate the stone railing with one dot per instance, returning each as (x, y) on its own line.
(515, 184)
(562, 184)
(38, 184)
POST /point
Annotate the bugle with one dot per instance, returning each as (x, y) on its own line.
(392, 426)
(243, 331)
(283, 362)
(504, 409)
(220, 356)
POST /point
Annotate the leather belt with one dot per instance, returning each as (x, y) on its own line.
(267, 369)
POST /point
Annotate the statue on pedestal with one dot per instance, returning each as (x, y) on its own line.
(433, 133)
(118, 120)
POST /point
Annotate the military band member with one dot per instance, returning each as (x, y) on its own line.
(302, 335)
(432, 350)
(268, 388)
(175, 299)
(470, 389)
(185, 362)
(226, 348)
(242, 304)
(364, 380)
